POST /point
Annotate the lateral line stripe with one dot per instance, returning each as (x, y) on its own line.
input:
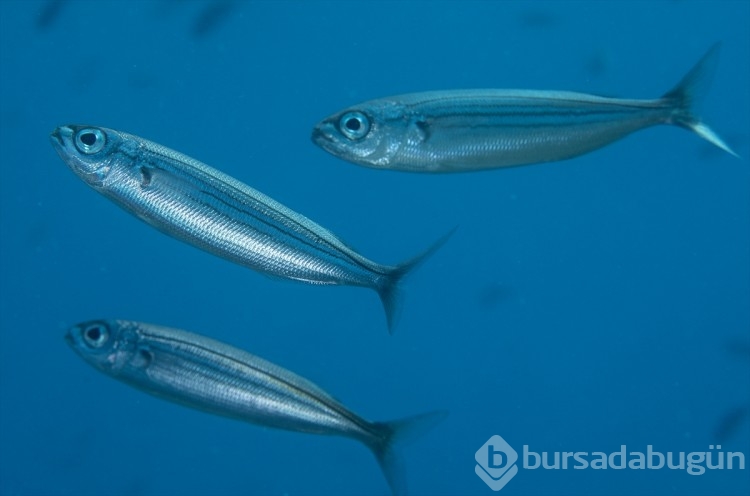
(172, 170)
(335, 406)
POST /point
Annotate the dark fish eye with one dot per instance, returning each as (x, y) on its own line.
(354, 125)
(96, 335)
(90, 140)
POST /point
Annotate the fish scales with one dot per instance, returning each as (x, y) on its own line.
(226, 217)
(209, 375)
(206, 208)
(199, 372)
(469, 130)
(502, 128)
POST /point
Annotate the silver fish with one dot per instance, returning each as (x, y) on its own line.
(469, 130)
(201, 373)
(197, 204)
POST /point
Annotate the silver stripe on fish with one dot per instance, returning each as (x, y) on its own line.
(201, 373)
(469, 130)
(215, 212)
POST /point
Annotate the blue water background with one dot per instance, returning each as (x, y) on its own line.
(580, 306)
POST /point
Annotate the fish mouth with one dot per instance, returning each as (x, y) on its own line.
(69, 338)
(60, 135)
(56, 138)
(320, 137)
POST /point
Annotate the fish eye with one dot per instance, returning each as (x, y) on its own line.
(354, 125)
(90, 140)
(96, 335)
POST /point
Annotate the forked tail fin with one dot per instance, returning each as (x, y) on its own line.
(389, 435)
(685, 96)
(388, 287)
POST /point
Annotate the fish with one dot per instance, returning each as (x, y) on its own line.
(201, 373)
(471, 130)
(210, 210)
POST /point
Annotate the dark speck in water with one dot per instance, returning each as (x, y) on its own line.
(211, 18)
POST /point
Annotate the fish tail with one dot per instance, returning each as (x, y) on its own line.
(389, 287)
(387, 438)
(685, 96)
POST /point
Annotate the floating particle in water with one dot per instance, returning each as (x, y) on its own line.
(211, 18)
(730, 423)
(49, 14)
(492, 294)
(538, 19)
(738, 347)
(597, 64)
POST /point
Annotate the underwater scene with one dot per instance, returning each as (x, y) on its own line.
(374, 247)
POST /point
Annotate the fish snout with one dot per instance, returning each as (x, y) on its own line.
(73, 337)
(85, 150)
(61, 136)
(56, 138)
(326, 136)
(320, 134)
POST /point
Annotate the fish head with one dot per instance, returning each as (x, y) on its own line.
(107, 345)
(368, 134)
(86, 150)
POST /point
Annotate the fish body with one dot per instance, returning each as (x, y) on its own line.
(202, 206)
(211, 376)
(467, 130)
